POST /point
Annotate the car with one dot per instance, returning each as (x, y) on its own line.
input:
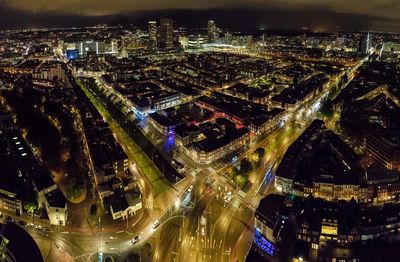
(227, 198)
(229, 194)
(178, 165)
(203, 231)
(135, 239)
(22, 223)
(155, 224)
(190, 188)
(46, 229)
(8, 218)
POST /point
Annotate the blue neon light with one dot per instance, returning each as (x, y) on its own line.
(169, 142)
(72, 54)
(264, 244)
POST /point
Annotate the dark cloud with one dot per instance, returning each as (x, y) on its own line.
(380, 8)
(379, 15)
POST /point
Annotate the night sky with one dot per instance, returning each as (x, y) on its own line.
(319, 15)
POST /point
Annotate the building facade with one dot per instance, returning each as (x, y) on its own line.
(152, 30)
(166, 35)
(209, 150)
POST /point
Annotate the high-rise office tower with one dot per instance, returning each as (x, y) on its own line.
(152, 28)
(228, 37)
(212, 30)
(365, 43)
(166, 39)
(249, 41)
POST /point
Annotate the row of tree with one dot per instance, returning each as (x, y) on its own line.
(241, 172)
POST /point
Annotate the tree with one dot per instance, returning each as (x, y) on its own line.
(240, 174)
(327, 109)
(93, 209)
(30, 202)
(240, 179)
(74, 188)
(260, 153)
(245, 166)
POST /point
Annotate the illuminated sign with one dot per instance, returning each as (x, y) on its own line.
(329, 230)
(264, 244)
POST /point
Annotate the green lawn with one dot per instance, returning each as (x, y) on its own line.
(153, 174)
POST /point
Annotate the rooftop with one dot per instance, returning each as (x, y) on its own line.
(162, 120)
(379, 115)
(118, 202)
(377, 174)
(56, 198)
(269, 208)
(319, 155)
(210, 144)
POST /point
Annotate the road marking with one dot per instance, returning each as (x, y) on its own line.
(83, 255)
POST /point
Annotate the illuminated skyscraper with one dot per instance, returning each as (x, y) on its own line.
(152, 28)
(212, 30)
(195, 41)
(249, 41)
(166, 39)
(365, 43)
